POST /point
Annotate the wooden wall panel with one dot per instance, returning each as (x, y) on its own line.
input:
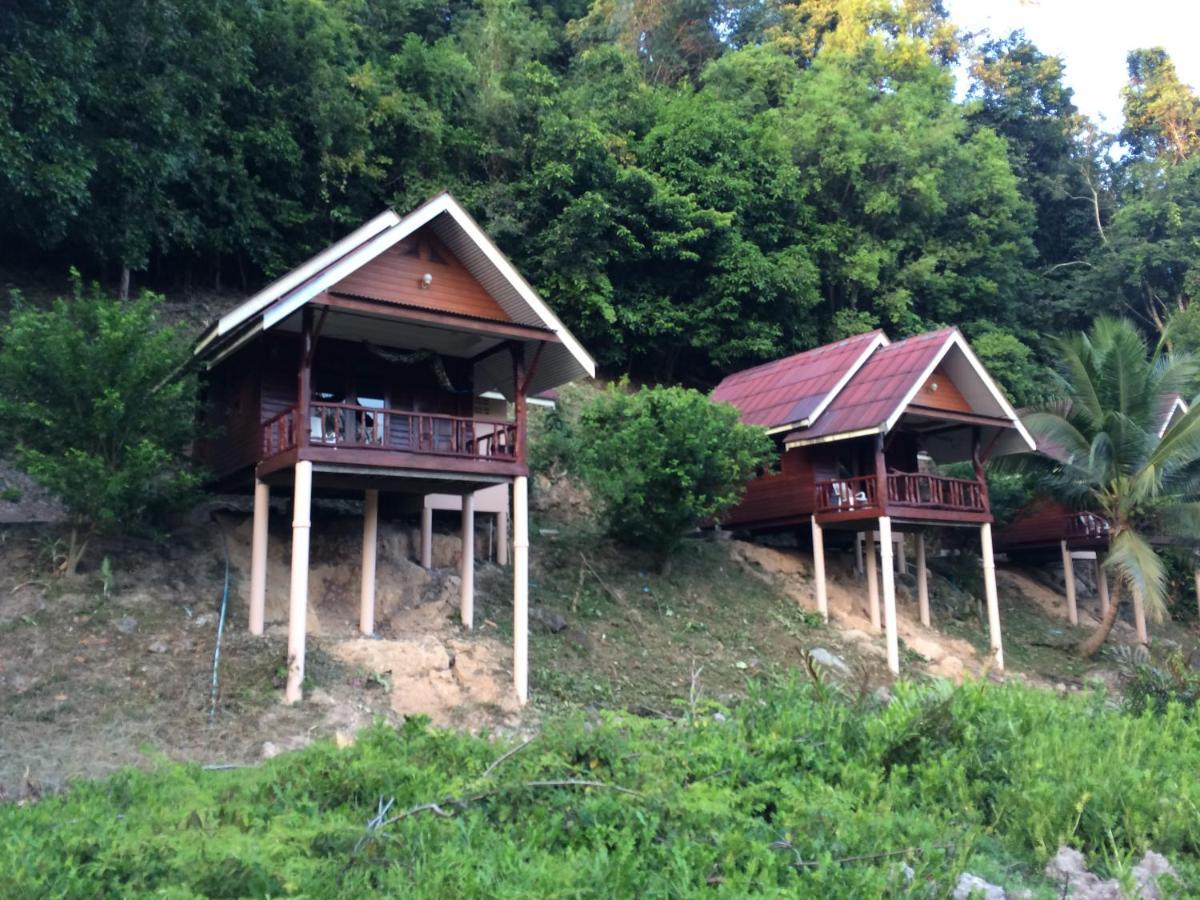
(395, 276)
(946, 396)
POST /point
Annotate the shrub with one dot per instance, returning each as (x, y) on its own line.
(89, 398)
(663, 460)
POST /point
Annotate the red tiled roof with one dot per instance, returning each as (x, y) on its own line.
(787, 390)
(878, 388)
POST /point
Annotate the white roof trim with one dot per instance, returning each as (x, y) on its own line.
(880, 340)
(1179, 405)
(299, 275)
(956, 339)
(827, 438)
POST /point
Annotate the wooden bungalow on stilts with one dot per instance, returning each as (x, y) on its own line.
(858, 423)
(361, 373)
(1047, 529)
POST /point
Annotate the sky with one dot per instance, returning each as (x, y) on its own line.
(1093, 38)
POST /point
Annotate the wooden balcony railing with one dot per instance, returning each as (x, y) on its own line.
(936, 492)
(370, 428)
(845, 494)
(1085, 525)
(904, 489)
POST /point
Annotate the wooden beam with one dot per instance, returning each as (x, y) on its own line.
(467, 563)
(872, 583)
(258, 555)
(891, 627)
(993, 599)
(298, 595)
(366, 616)
(521, 588)
(819, 570)
(922, 581)
(304, 379)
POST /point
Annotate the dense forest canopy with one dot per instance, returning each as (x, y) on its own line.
(694, 185)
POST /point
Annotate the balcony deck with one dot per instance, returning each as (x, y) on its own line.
(350, 439)
(909, 496)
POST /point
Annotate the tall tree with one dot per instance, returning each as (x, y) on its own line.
(1162, 114)
(1111, 387)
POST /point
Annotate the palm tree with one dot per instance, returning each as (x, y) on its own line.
(1101, 451)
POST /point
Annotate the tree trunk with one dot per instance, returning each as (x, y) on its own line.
(123, 291)
(1088, 648)
(70, 565)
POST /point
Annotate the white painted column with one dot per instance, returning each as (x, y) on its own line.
(922, 581)
(1069, 578)
(366, 616)
(1102, 584)
(502, 538)
(1139, 617)
(993, 599)
(258, 556)
(426, 536)
(467, 562)
(889, 593)
(298, 598)
(521, 587)
(1197, 577)
(872, 582)
(818, 542)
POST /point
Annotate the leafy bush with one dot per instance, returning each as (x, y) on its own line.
(797, 792)
(89, 399)
(663, 460)
(1153, 688)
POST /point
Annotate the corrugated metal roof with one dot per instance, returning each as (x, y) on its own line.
(787, 391)
(879, 387)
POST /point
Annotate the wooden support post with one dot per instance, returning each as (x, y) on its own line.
(366, 616)
(1102, 585)
(901, 561)
(467, 560)
(426, 536)
(993, 599)
(521, 587)
(872, 583)
(298, 598)
(889, 594)
(258, 556)
(1069, 579)
(858, 553)
(922, 581)
(818, 542)
(502, 538)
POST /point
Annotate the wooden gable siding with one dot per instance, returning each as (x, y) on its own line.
(395, 277)
(789, 495)
(947, 396)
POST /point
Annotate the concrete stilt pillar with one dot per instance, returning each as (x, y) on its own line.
(298, 597)
(502, 538)
(901, 560)
(872, 582)
(366, 616)
(258, 556)
(521, 587)
(426, 536)
(922, 581)
(1139, 617)
(818, 542)
(889, 594)
(1069, 578)
(993, 599)
(1197, 578)
(1102, 585)
(858, 553)
(467, 560)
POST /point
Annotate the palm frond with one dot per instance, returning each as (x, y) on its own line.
(1133, 560)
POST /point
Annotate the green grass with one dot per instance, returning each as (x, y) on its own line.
(780, 795)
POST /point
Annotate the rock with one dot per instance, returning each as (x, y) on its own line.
(343, 739)
(718, 717)
(159, 647)
(548, 619)
(823, 657)
(972, 887)
(1147, 872)
(269, 750)
(126, 624)
(883, 694)
(1068, 867)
